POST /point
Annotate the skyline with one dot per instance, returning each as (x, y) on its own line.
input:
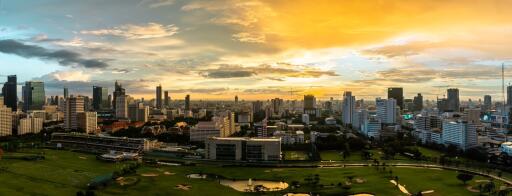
(258, 49)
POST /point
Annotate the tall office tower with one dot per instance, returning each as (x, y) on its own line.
(10, 93)
(397, 93)
(277, 104)
(309, 104)
(109, 106)
(418, 102)
(118, 91)
(66, 93)
(34, 98)
(509, 95)
(88, 122)
(5, 121)
(453, 100)
(73, 106)
(257, 106)
(138, 112)
(167, 99)
(349, 107)
(159, 97)
(187, 102)
(460, 134)
(99, 98)
(487, 103)
(122, 106)
(236, 98)
(442, 105)
(386, 110)
(472, 116)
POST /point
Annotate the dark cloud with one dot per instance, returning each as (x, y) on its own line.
(63, 57)
(281, 70)
(229, 74)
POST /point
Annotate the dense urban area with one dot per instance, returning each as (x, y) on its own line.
(112, 143)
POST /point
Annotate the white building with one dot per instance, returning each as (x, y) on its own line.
(73, 106)
(359, 118)
(122, 106)
(349, 107)
(290, 137)
(386, 110)
(460, 134)
(372, 127)
(30, 125)
(222, 125)
(88, 122)
(243, 149)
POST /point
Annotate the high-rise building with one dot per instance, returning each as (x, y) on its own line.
(118, 91)
(122, 106)
(34, 96)
(509, 95)
(488, 102)
(348, 107)
(30, 125)
(187, 102)
(159, 97)
(99, 98)
(453, 99)
(88, 122)
(138, 112)
(236, 98)
(257, 106)
(10, 93)
(460, 134)
(418, 102)
(167, 99)
(386, 110)
(5, 121)
(277, 104)
(309, 104)
(73, 106)
(66, 93)
(397, 93)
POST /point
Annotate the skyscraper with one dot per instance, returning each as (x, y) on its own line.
(309, 105)
(167, 99)
(418, 102)
(509, 95)
(66, 93)
(159, 97)
(236, 98)
(74, 106)
(118, 91)
(187, 102)
(34, 96)
(5, 121)
(487, 103)
(99, 98)
(386, 110)
(10, 93)
(348, 107)
(122, 107)
(453, 99)
(397, 93)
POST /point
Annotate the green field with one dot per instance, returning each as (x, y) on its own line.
(295, 155)
(65, 173)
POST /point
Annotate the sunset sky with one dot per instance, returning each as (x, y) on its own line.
(259, 49)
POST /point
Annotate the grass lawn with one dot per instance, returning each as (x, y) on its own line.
(295, 155)
(64, 173)
(332, 155)
(429, 152)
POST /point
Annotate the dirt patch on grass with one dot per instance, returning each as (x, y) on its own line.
(183, 187)
(149, 175)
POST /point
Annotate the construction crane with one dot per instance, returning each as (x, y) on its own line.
(292, 92)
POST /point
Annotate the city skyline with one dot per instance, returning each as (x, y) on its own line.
(258, 50)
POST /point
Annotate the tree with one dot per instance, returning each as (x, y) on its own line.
(464, 177)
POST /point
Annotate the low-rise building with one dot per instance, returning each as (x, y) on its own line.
(243, 149)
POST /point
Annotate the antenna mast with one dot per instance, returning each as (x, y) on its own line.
(503, 97)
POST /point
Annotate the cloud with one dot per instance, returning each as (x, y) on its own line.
(130, 31)
(157, 3)
(68, 75)
(249, 37)
(63, 57)
(277, 70)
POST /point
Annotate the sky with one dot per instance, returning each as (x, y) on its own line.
(259, 49)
